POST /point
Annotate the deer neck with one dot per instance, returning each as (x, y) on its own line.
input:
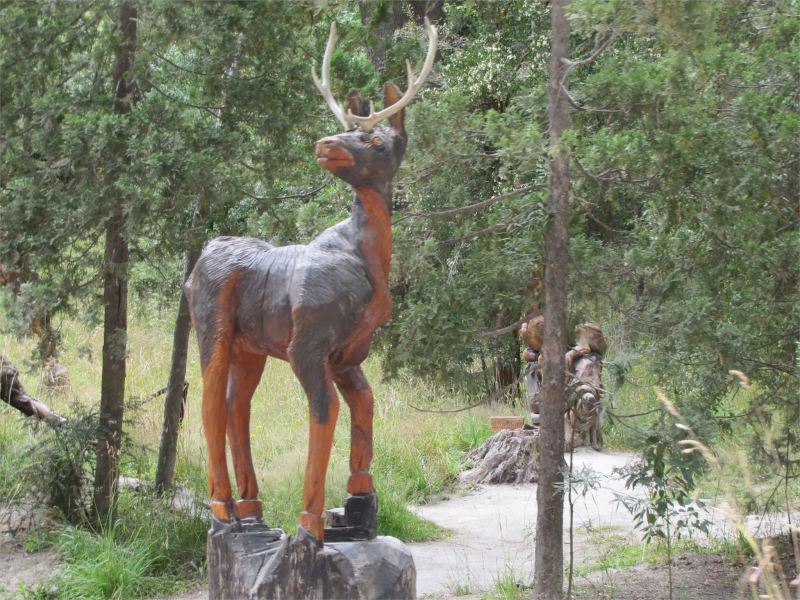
(371, 214)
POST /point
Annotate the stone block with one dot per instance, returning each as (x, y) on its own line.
(248, 560)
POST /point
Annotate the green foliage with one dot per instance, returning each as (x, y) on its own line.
(466, 270)
(212, 134)
(62, 470)
(687, 205)
(146, 553)
(669, 508)
(509, 585)
(104, 566)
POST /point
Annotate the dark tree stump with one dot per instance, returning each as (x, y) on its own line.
(248, 560)
(509, 456)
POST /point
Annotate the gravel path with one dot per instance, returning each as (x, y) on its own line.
(493, 529)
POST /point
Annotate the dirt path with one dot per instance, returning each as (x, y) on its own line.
(19, 568)
(493, 537)
(494, 529)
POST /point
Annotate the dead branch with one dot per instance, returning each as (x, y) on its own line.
(581, 108)
(302, 195)
(12, 393)
(483, 335)
(603, 176)
(599, 49)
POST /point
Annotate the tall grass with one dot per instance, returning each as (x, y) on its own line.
(417, 457)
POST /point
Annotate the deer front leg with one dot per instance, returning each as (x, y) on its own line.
(245, 373)
(315, 377)
(357, 393)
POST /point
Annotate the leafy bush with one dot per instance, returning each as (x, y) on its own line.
(61, 469)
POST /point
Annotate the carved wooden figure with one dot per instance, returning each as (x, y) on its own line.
(585, 364)
(316, 306)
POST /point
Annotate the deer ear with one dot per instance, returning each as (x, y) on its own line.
(356, 104)
(391, 94)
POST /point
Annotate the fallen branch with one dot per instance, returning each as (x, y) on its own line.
(12, 392)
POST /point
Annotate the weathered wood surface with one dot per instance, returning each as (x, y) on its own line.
(248, 560)
(13, 393)
(583, 420)
(500, 423)
(509, 456)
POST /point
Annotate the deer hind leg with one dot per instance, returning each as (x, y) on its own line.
(315, 377)
(215, 414)
(213, 317)
(245, 373)
(358, 394)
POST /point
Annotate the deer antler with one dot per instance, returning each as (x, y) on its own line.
(414, 85)
(367, 123)
(324, 86)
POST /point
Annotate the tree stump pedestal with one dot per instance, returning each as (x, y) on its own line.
(509, 456)
(248, 559)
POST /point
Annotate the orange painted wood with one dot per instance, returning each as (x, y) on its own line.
(500, 423)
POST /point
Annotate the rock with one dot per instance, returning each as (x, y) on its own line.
(383, 566)
(247, 559)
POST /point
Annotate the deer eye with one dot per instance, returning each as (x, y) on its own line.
(376, 141)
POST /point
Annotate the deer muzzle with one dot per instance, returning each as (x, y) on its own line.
(332, 154)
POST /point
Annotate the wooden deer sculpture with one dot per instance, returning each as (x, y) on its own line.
(315, 306)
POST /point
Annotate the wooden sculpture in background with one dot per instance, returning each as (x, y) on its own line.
(584, 366)
(316, 306)
(584, 363)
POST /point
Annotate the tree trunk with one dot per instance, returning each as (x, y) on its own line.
(115, 296)
(173, 404)
(549, 557)
(506, 368)
(384, 18)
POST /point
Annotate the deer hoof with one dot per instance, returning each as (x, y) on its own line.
(222, 510)
(245, 508)
(313, 524)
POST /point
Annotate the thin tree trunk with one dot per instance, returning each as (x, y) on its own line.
(173, 404)
(507, 366)
(549, 558)
(383, 30)
(115, 298)
(112, 387)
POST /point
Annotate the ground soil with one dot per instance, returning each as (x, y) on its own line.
(694, 577)
(492, 534)
(20, 568)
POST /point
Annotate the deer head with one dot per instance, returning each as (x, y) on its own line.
(367, 153)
